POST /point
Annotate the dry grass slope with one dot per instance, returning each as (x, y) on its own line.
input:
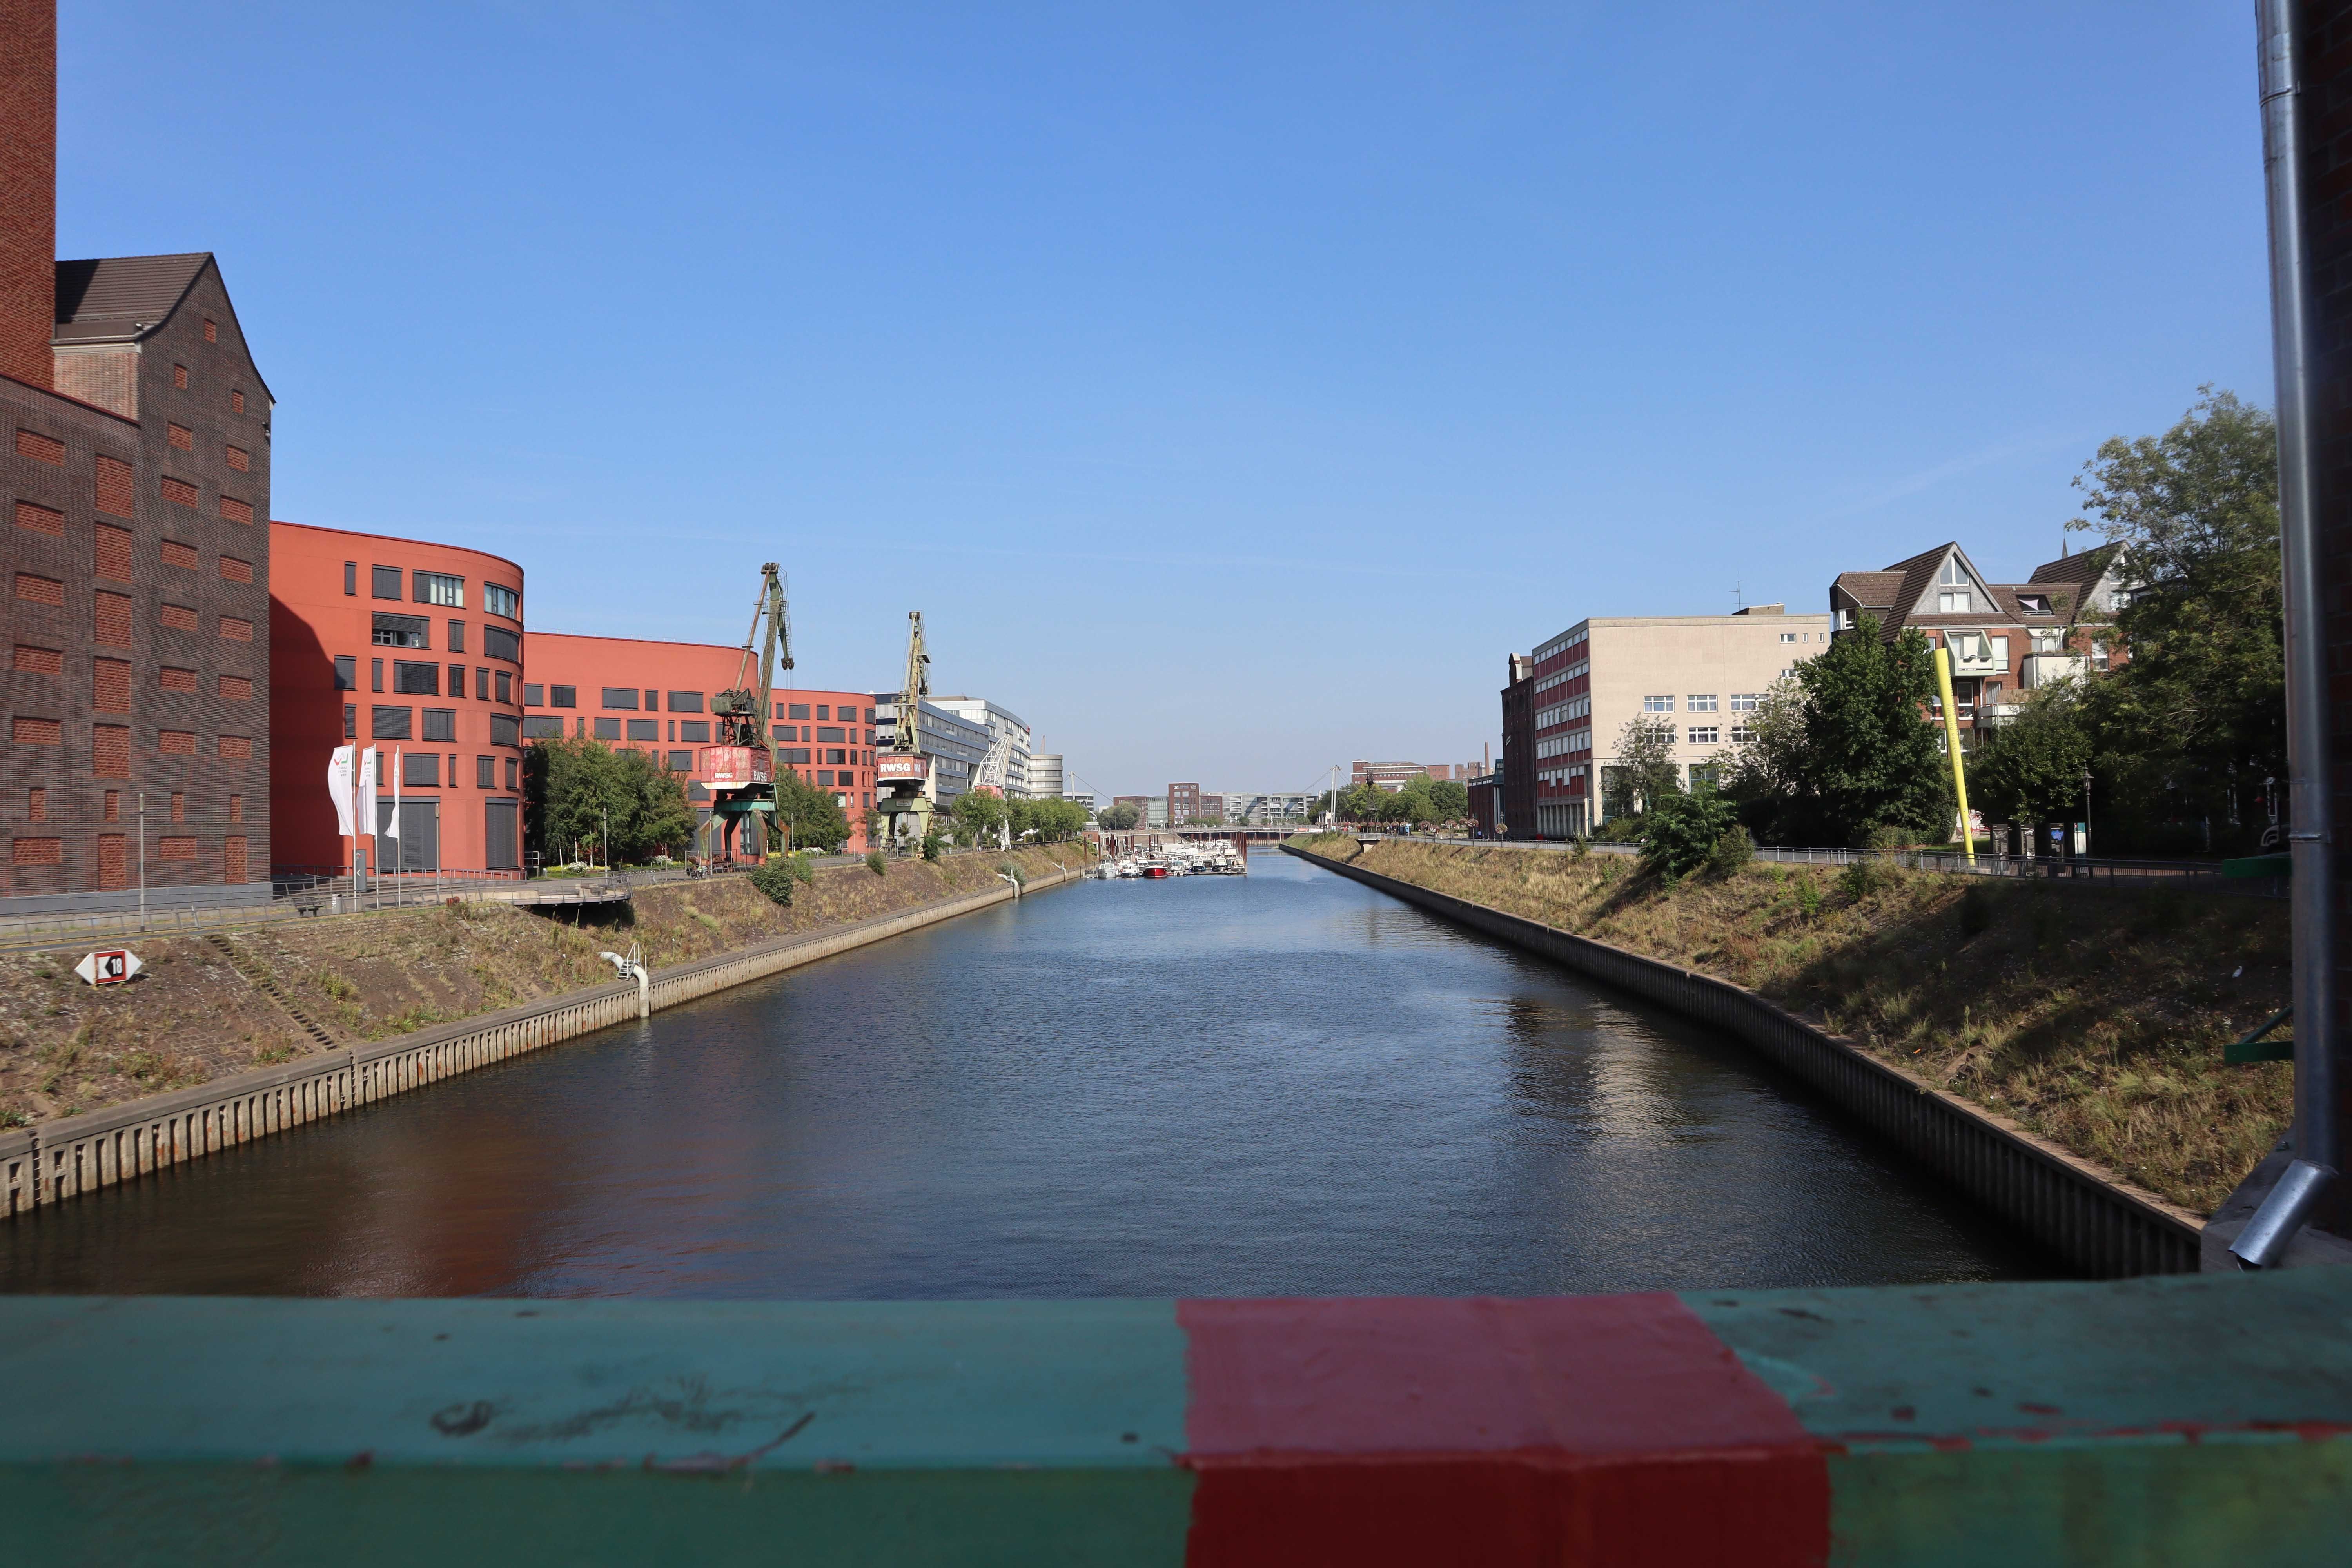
(192, 1017)
(2096, 1019)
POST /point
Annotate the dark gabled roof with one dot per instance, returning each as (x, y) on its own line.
(120, 298)
(1871, 589)
(2081, 570)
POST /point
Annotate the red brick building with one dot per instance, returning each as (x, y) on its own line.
(134, 458)
(416, 649)
(655, 697)
(2005, 638)
(1515, 771)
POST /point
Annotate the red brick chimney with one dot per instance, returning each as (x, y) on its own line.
(28, 187)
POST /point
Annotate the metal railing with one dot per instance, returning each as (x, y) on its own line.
(2204, 876)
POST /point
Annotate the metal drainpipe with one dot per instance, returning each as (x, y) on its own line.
(2311, 838)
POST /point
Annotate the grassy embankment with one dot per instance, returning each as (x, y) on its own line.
(2096, 1019)
(192, 1016)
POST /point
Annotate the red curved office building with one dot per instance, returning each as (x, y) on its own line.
(655, 697)
(413, 648)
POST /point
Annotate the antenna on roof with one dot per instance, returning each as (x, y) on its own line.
(1735, 597)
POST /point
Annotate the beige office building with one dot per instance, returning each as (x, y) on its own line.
(1703, 673)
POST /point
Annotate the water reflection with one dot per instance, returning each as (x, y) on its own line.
(1216, 1085)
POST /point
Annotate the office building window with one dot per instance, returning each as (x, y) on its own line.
(620, 697)
(1745, 701)
(388, 723)
(400, 631)
(685, 701)
(1658, 704)
(505, 730)
(415, 680)
(486, 772)
(798, 710)
(830, 732)
(456, 680)
(694, 731)
(511, 765)
(500, 643)
(822, 712)
(440, 588)
(347, 672)
(420, 769)
(1702, 702)
(501, 601)
(1703, 734)
(543, 727)
(681, 761)
(375, 674)
(653, 701)
(456, 643)
(563, 697)
(506, 685)
(351, 721)
(534, 695)
(645, 729)
(608, 729)
(824, 777)
(352, 578)
(384, 583)
(440, 724)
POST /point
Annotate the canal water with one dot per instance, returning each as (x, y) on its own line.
(1280, 1084)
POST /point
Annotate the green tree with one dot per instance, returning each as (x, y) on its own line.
(1644, 773)
(586, 797)
(2185, 733)
(1684, 829)
(1449, 799)
(1118, 818)
(814, 817)
(2030, 769)
(1849, 748)
(977, 815)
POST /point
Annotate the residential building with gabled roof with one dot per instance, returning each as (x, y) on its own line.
(2005, 638)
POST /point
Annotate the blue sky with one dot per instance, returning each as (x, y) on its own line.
(1233, 387)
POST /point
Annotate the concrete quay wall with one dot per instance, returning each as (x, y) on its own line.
(53, 1162)
(2102, 1226)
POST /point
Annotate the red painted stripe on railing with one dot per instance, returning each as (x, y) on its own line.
(1600, 1429)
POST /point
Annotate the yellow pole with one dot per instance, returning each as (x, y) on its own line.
(1952, 744)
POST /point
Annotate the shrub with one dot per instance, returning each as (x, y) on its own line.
(875, 863)
(1864, 877)
(1883, 838)
(1627, 829)
(803, 865)
(1734, 849)
(931, 845)
(775, 879)
(1583, 847)
(1809, 896)
(1683, 831)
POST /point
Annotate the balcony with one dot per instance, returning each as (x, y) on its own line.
(2043, 668)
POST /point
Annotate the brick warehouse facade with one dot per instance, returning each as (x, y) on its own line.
(135, 455)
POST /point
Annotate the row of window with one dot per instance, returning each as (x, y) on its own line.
(110, 743)
(413, 677)
(1562, 712)
(1561, 677)
(114, 856)
(36, 806)
(422, 769)
(438, 589)
(1703, 702)
(416, 632)
(653, 699)
(389, 722)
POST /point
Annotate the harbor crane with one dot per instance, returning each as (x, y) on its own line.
(902, 772)
(739, 766)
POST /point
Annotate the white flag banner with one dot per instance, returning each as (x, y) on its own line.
(339, 788)
(363, 794)
(392, 828)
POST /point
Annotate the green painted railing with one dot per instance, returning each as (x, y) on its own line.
(2172, 1420)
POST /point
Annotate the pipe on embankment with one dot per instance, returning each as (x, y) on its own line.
(54, 1161)
(2101, 1225)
